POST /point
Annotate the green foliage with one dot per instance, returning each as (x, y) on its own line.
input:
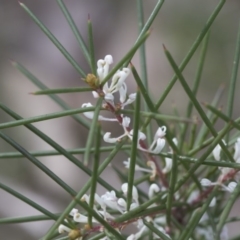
(190, 160)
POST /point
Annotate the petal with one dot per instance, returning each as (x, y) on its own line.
(205, 182)
(213, 202)
(126, 121)
(141, 135)
(154, 188)
(237, 151)
(109, 97)
(63, 229)
(232, 186)
(108, 59)
(95, 94)
(216, 152)
(88, 114)
(124, 188)
(73, 211)
(122, 203)
(131, 99)
(168, 166)
(108, 139)
(123, 93)
(159, 146)
(100, 70)
(118, 79)
(161, 132)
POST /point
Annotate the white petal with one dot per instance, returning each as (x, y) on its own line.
(118, 79)
(154, 188)
(108, 139)
(122, 203)
(141, 135)
(126, 121)
(133, 205)
(81, 218)
(109, 97)
(108, 59)
(237, 151)
(124, 188)
(73, 211)
(134, 191)
(205, 182)
(127, 163)
(232, 186)
(213, 202)
(63, 229)
(95, 94)
(175, 141)
(88, 114)
(100, 70)
(123, 93)
(216, 152)
(168, 166)
(159, 146)
(161, 132)
(131, 99)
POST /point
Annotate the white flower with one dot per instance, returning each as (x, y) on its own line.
(157, 144)
(217, 151)
(231, 186)
(81, 218)
(90, 115)
(117, 81)
(206, 182)
(73, 212)
(237, 151)
(63, 229)
(213, 202)
(131, 99)
(168, 161)
(110, 200)
(154, 188)
(125, 123)
(107, 137)
(103, 67)
(151, 164)
(124, 188)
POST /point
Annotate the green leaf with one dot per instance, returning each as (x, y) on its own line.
(47, 215)
(92, 132)
(135, 142)
(195, 102)
(191, 51)
(54, 40)
(75, 30)
(62, 90)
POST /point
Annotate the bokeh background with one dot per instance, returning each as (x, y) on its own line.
(115, 30)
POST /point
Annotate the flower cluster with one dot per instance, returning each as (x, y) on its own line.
(108, 91)
(109, 201)
(109, 206)
(226, 173)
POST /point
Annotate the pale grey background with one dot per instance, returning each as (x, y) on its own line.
(115, 30)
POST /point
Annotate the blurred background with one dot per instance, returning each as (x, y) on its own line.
(115, 30)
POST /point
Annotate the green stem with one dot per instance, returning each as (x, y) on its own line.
(75, 30)
(54, 40)
(135, 143)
